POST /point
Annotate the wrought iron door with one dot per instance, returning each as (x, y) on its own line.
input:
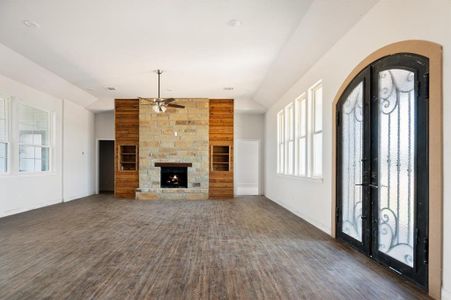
(382, 164)
(353, 149)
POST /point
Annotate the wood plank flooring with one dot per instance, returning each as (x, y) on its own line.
(245, 248)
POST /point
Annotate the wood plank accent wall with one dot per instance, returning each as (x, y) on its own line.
(126, 116)
(221, 133)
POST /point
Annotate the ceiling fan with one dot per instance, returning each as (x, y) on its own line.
(160, 104)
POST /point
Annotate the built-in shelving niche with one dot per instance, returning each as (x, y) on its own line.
(220, 158)
(128, 157)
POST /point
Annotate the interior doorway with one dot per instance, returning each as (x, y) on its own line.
(247, 167)
(106, 166)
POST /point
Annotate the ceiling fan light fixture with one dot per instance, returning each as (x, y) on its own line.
(160, 105)
(159, 108)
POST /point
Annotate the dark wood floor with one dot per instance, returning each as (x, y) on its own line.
(246, 248)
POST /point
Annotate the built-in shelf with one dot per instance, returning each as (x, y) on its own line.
(128, 157)
(220, 158)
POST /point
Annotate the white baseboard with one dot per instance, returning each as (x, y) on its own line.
(247, 190)
(71, 198)
(446, 295)
(315, 223)
(19, 210)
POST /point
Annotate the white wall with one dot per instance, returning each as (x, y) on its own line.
(249, 127)
(389, 21)
(79, 152)
(104, 125)
(22, 192)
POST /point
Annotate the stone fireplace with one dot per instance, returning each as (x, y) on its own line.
(174, 143)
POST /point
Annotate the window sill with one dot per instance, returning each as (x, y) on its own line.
(28, 174)
(302, 178)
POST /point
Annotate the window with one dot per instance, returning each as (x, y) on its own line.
(301, 135)
(280, 142)
(4, 133)
(316, 102)
(34, 139)
(289, 139)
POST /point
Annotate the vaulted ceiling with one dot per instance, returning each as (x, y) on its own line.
(256, 47)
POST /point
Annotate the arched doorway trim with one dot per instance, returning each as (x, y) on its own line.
(433, 52)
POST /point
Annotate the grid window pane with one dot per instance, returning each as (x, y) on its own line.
(3, 130)
(33, 159)
(33, 126)
(303, 117)
(26, 116)
(3, 165)
(3, 122)
(290, 158)
(34, 138)
(318, 107)
(317, 154)
(45, 159)
(289, 139)
(280, 141)
(302, 156)
(281, 157)
(2, 108)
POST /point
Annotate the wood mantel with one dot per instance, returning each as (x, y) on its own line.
(173, 165)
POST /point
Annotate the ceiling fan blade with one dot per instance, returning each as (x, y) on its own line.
(151, 100)
(175, 105)
(168, 100)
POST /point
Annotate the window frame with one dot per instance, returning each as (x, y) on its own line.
(289, 139)
(7, 139)
(289, 134)
(49, 145)
(301, 120)
(281, 142)
(313, 131)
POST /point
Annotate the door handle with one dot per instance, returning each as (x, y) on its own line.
(368, 185)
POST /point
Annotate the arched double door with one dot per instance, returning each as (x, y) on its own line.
(382, 164)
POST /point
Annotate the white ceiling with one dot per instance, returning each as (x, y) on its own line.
(118, 43)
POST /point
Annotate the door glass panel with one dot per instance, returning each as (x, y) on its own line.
(352, 124)
(396, 164)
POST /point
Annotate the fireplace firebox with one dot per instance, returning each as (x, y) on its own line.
(174, 177)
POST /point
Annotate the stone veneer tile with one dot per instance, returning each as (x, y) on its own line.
(160, 143)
